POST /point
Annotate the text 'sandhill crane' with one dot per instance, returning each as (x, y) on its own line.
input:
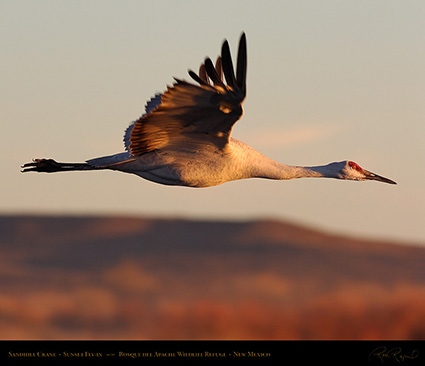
(184, 137)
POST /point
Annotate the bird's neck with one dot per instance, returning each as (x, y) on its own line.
(275, 170)
(259, 166)
(271, 169)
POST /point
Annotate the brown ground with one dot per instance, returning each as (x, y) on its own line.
(135, 278)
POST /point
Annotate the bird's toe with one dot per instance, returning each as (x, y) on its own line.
(40, 165)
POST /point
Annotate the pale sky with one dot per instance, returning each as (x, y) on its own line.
(327, 81)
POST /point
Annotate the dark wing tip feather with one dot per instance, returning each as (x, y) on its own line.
(212, 73)
(195, 77)
(228, 64)
(242, 63)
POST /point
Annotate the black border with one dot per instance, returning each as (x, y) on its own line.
(261, 352)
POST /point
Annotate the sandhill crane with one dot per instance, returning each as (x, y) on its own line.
(184, 137)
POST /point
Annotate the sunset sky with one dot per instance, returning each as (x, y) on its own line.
(327, 81)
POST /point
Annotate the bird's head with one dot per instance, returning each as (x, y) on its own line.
(349, 170)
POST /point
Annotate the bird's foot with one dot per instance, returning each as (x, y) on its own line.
(42, 165)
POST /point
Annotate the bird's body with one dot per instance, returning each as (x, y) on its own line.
(202, 165)
(184, 137)
(193, 165)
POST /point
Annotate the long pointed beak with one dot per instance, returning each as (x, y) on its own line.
(373, 176)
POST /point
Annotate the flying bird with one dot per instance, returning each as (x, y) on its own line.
(184, 137)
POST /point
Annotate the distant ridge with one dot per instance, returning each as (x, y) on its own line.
(60, 238)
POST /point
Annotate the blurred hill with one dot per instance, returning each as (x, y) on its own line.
(142, 278)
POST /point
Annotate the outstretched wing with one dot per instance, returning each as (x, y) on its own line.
(187, 111)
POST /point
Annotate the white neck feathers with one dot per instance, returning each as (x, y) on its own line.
(259, 166)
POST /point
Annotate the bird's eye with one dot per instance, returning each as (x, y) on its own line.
(354, 166)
